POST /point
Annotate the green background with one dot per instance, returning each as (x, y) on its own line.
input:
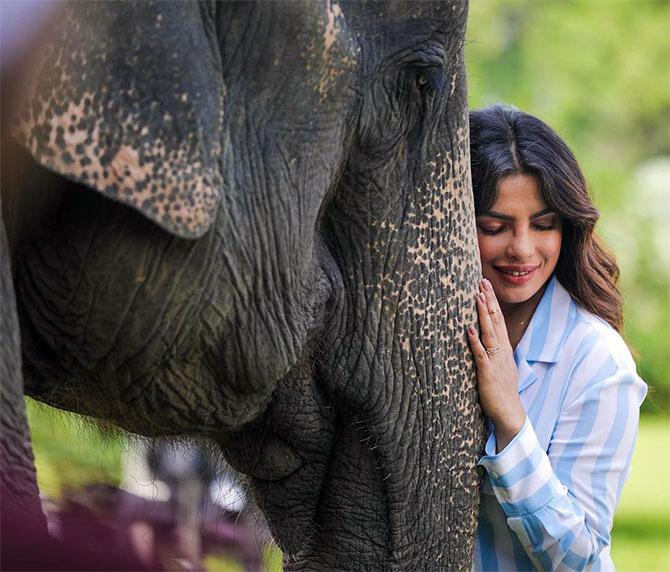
(598, 72)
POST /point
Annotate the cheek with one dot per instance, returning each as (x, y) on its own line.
(488, 247)
(551, 247)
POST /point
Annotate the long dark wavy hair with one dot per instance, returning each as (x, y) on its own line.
(505, 141)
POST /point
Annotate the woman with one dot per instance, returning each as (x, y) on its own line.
(555, 378)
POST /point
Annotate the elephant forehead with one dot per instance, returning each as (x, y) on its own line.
(120, 115)
(400, 24)
(335, 62)
(302, 51)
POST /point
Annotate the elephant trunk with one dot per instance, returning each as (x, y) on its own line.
(402, 481)
(402, 487)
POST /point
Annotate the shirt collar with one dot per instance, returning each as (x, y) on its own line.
(545, 336)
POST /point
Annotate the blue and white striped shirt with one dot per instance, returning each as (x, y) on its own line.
(548, 498)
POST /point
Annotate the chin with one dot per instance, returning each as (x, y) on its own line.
(513, 294)
(516, 297)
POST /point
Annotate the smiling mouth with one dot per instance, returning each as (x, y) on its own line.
(516, 275)
(516, 270)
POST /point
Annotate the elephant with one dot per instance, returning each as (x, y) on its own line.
(252, 223)
(20, 509)
(18, 482)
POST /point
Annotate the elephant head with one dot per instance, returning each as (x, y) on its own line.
(279, 257)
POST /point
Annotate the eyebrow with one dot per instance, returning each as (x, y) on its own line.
(538, 214)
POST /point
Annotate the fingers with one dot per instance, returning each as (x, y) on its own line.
(489, 337)
(478, 351)
(495, 314)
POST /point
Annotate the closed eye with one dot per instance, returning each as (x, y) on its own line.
(546, 222)
(546, 226)
(492, 229)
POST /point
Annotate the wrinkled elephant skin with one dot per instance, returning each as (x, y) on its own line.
(280, 257)
(20, 510)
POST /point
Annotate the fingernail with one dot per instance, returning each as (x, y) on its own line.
(482, 298)
(471, 330)
(487, 284)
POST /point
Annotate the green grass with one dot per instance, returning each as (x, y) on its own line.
(641, 535)
(272, 562)
(70, 452)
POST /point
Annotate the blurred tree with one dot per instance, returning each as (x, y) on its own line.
(598, 72)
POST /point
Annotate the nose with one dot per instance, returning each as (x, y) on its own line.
(520, 246)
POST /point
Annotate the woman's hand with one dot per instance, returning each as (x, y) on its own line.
(497, 376)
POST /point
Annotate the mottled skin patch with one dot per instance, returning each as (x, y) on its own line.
(331, 56)
(316, 332)
(139, 139)
(333, 65)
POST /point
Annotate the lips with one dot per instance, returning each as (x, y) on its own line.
(516, 274)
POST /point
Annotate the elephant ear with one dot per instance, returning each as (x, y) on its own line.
(129, 102)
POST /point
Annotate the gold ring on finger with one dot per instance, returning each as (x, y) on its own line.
(493, 350)
(494, 311)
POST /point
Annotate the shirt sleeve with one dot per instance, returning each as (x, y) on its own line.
(560, 503)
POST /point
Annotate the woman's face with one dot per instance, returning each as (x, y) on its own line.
(519, 240)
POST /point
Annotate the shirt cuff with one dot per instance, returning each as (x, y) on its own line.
(521, 475)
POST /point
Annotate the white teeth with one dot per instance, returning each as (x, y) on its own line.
(513, 273)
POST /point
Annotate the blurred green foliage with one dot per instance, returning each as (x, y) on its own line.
(70, 451)
(598, 72)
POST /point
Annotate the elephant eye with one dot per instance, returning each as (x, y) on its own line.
(430, 79)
